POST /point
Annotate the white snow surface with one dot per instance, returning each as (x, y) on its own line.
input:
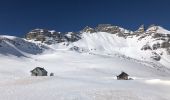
(81, 77)
(89, 75)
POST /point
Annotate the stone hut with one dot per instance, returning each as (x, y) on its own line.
(123, 76)
(38, 71)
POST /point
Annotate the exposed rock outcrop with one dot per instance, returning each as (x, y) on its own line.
(156, 56)
(146, 47)
(88, 29)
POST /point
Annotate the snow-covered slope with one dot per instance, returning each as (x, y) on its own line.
(151, 45)
(81, 77)
(10, 45)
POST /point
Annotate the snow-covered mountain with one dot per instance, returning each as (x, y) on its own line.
(143, 44)
(85, 64)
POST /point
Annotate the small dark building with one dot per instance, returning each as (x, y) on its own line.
(38, 71)
(122, 76)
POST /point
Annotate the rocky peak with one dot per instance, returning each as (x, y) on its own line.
(44, 32)
(88, 29)
(43, 35)
(141, 29)
(121, 32)
(107, 28)
(104, 25)
(152, 29)
(72, 36)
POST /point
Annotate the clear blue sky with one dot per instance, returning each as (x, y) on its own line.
(17, 17)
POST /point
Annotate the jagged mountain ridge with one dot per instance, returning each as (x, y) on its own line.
(156, 33)
(152, 43)
(51, 37)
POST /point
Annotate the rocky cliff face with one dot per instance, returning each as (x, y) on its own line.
(45, 36)
(51, 37)
(107, 28)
